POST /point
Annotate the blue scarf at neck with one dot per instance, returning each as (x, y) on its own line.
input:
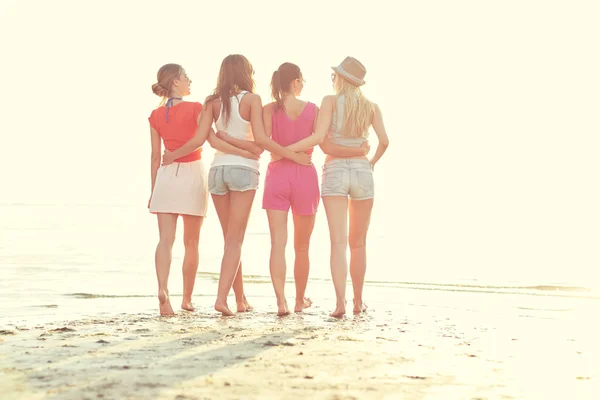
(169, 104)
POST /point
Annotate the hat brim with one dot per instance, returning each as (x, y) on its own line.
(348, 77)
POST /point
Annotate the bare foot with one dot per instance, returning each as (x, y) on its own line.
(282, 308)
(340, 310)
(244, 306)
(301, 304)
(223, 309)
(164, 303)
(359, 307)
(241, 307)
(187, 305)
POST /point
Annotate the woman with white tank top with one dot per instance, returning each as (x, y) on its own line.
(233, 176)
(347, 186)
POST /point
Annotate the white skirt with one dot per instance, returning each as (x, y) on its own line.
(180, 188)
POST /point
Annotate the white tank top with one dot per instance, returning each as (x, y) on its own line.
(238, 128)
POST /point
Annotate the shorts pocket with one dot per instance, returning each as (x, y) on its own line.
(333, 180)
(212, 179)
(365, 181)
(242, 179)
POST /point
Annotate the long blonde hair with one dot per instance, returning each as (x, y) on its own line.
(358, 110)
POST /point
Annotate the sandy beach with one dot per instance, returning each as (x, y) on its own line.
(414, 351)
(483, 278)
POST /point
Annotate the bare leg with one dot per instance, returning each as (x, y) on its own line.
(303, 228)
(360, 217)
(222, 206)
(191, 236)
(238, 290)
(240, 204)
(336, 208)
(278, 228)
(167, 225)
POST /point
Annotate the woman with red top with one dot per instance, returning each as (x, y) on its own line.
(179, 188)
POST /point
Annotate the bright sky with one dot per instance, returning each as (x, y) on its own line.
(491, 107)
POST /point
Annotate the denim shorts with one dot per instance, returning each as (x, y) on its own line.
(223, 179)
(348, 177)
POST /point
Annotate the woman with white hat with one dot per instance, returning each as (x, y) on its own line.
(344, 120)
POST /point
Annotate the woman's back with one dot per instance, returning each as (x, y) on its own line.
(336, 129)
(237, 127)
(176, 125)
(294, 123)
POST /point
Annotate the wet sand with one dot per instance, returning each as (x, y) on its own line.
(410, 352)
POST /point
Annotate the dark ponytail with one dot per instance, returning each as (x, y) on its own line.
(276, 89)
(281, 81)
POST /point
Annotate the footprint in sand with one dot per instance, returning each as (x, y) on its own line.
(62, 330)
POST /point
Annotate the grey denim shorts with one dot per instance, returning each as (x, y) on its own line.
(223, 179)
(348, 177)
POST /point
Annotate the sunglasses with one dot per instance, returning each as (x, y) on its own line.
(333, 75)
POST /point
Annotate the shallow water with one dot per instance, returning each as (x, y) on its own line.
(77, 260)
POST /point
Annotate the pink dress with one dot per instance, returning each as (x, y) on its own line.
(289, 184)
